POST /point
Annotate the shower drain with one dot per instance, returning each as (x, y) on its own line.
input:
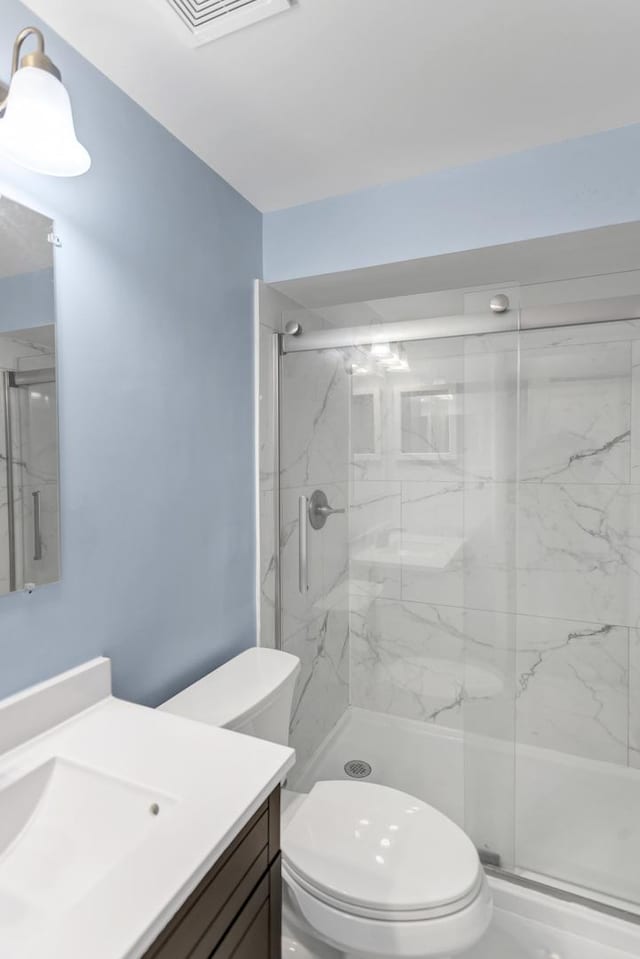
(357, 769)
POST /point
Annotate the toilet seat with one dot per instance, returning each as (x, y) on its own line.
(377, 853)
(365, 912)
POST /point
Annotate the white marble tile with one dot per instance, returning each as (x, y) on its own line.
(314, 431)
(552, 683)
(575, 405)
(579, 552)
(374, 538)
(407, 659)
(488, 716)
(490, 410)
(573, 687)
(635, 411)
(266, 408)
(322, 692)
(432, 548)
(315, 624)
(490, 535)
(634, 698)
(490, 675)
(267, 561)
(563, 337)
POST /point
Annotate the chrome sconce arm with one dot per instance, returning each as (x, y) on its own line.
(36, 59)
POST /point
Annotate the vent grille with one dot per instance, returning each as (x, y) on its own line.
(206, 20)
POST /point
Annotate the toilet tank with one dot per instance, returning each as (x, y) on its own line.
(252, 694)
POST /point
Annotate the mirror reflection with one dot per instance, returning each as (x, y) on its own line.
(29, 510)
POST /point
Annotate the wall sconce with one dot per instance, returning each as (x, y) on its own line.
(36, 129)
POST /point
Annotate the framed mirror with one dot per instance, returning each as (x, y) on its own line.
(29, 485)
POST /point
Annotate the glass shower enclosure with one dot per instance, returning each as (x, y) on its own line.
(467, 608)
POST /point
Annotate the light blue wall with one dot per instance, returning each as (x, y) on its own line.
(26, 300)
(154, 303)
(589, 182)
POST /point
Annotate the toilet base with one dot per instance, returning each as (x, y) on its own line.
(326, 934)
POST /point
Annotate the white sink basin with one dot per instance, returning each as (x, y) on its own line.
(63, 827)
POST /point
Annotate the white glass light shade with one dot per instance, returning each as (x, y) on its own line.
(37, 129)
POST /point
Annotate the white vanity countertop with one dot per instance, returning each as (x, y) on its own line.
(209, 782)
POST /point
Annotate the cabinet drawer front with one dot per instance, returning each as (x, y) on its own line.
(248, 937)
(232, 907)
(208, 913)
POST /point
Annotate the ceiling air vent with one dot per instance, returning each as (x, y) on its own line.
(206, 20)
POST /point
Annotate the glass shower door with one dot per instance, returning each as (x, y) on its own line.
(314, 568)
(407, 496)
(406, 614)
(577, 713)
(490, 378)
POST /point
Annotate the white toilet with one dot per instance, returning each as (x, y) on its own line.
(368, 870)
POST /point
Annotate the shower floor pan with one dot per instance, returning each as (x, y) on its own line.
(574, 823)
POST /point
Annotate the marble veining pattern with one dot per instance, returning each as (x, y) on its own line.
(635, 411)
(408, 660)
(573, 687)
(432, 548)
(374, 538)
(315, 418)
(575, 414)
(322, 693)
(634, 698)
(495, 587)
(579, 552)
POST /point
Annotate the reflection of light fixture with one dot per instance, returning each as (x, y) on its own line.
(381, 351)
(391, 357)
(383, 358)
(37, 129)
(398, 365)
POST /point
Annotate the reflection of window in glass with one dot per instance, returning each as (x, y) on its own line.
(363, 424)
(427, 423)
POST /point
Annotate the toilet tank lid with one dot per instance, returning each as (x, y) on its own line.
(230, 693)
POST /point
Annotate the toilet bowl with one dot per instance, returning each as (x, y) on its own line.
(375, 872)
(369, 871)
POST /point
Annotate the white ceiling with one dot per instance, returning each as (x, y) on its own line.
(336, 95)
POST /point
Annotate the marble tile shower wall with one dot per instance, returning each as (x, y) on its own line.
(314, 454)
(495, 573)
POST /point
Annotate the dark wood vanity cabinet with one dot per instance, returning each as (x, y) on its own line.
(235, 912)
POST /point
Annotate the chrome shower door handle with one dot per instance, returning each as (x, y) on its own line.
(328, 510)
(319, 509)
(303, 552)
(37, 536)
